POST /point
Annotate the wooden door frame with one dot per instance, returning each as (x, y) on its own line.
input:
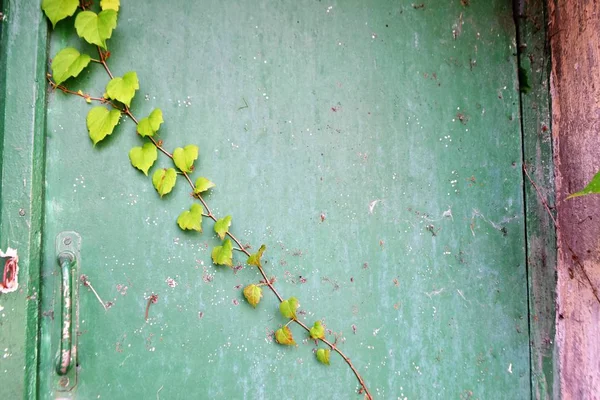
(573, 35)
(23, 58)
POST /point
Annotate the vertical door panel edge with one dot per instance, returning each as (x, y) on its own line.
(23, 89)
(538, 168)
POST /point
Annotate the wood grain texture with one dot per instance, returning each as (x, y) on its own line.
(534, 64)
(574, 27)
(22, 119)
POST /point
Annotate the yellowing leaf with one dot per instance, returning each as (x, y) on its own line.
(223, 255)
(96, 28)
(149, 125)
(101, 122)
(110, 4)
(123, 89)
(323, 356)
(591, 188)
(68, 63)
(317, 331)
(284, 336)
(164, 180)
(184, 158)
(192, 219)
(143, 157)
(57, 10)
(253, 293)
(202, 185)
(254, 259)
(222, 226)
(288, 307)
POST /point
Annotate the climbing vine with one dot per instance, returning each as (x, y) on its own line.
(96, 29)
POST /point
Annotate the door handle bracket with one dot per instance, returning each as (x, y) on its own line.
(66, 305)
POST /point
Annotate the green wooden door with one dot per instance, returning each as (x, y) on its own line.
(373, 147)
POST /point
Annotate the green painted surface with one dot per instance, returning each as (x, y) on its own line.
(541, 236)
(22, 112)
(398, 124)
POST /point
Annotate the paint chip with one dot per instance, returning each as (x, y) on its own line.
(10, 278)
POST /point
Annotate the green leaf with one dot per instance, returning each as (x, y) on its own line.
(592, 188)
(288, 307)
(143, 157)
(149, 125)
(101, 122)
(68, 63)
(284, 336)
(223, 255)
(192, 219)
(222, 226)
(323, 355)
(96, 28)
(184, 158)
(202, 185)
(317, 331)
(123, 89)
(254, 259)
(57, 10)
(253, 293)
(110, 4)
(163, 180)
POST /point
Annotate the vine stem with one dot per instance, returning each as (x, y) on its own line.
(210, 215)
(333, 347)
(85, 96)
(574, 256)
(127, 112)
(103, 62)
(280, 298)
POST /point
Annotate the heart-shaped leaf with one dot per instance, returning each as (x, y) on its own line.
(123, 89)
(96, 28)
(284, 336)
(164, 180)
(323, 356)
(591, 188)
(110, 4)
(143, 157)
(254, 259)
(288, 307)
(317, 331)
(184, 158)
(149, 125)
(192, 219)
(253, 293)
(223, 255)
(101, 122)
(202, 185)
(222, 226)
(57, 10)
(68, 63)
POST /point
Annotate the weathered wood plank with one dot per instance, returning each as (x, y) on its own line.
(575, 42)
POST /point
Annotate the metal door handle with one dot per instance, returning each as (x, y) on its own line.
(66, 259)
